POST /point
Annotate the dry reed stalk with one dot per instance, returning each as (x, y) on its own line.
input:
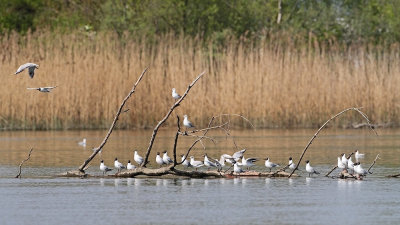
(273, 85)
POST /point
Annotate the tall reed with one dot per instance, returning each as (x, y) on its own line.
(272, 84)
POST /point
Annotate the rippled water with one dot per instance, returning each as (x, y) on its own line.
(41, 199)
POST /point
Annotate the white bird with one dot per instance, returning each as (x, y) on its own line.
(159, 160)
(31, 69)
(43, 89)
(186, 122)
(237, 169)
(209, 163)
(358, 155)
(309, 169)
(185, 162)
(340, 164)
(359, 170)
(130, 166)
(118, 165)
(249, 162)
(138, 159)
(238, 155)
(228, 158)
(292, 165)
(270, 165)
(104, 168)
(350, 164)
(221, 161)
(167, 160)
(344, 160)
(82, 143)
(195, 163)
(175, 95)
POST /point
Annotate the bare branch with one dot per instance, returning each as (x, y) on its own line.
(23, 161)
(98, 149)
(176, 138)
(176, 104)
(316, 134)
(376, 158)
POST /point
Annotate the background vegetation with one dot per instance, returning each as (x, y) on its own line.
(322, 57)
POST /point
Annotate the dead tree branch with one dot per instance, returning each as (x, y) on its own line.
(161, 122)
(23, 161)
(373, 163)
(98, 149)
(334, 168)
(316, 134)
(176, 138)
(394, 175)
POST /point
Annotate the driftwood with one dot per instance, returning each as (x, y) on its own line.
(334, 168)
(394, 175)
(373, 126)
(23, 161)
(316, 134)
(161, 122)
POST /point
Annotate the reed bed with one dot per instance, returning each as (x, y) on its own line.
(272, 84)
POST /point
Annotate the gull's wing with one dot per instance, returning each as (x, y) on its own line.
(238, 154)
(31, 71)
(32, 88)
(253, 160)
(24, 66)
(50, 87)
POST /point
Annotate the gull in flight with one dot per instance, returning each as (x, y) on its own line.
(186, 122)
(175, 95)
(130, 166)
(309, 169)
(82, 143)
(159, 160)
(43, 89)
(237, 155)
(138, 159)
(118, 165)
(31, 69)
(228, 158)
(167, 160)
(270, 165)
(104, 168)
(194, 163)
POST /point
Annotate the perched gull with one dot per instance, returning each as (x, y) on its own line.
(248, 162)
(237, 169)
(138, 159)
(292, 165)
(209, 163)
(130, 166)
(270, 165)
(104, 168)
(344, 160)
(221, 161)
(186, 122)
(82, 143)
(118, 165)
(185, 162)
(31, 69)
(359, 155)
(43, 89)
(167, 160)
(237, 155)
(159, 160)
(194, 163)
(340, 164)
(359, 170)
(175, 95)
(309, 169)
(350, 164)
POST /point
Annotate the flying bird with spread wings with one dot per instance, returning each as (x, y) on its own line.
(31, 69)
(43, 89)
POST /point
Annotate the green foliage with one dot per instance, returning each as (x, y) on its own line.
(347, 21)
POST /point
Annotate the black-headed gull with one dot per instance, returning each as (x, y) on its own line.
(31, 69)
(292, 165)
(359, 170)
(130, 166)
(237, 169)
(185, 162)
(350, 164)
(43, 89)
(359, 155)
(138, 159)
(104, 168)
(167, 160)
(309, 169)
(238, 155)
(249, 162)
(82, 143)
(159, 160)
(270, 165)
(195, 164)
(175, 95)
(186, 122)
(119, 166)
(340, 164)
(209, 162)
(344, 160)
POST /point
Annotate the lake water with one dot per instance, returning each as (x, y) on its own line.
(40, 198)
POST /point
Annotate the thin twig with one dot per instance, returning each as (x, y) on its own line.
(376, 158)
(161, 122)
(98, 149)
(23, 161)
(316, 134)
